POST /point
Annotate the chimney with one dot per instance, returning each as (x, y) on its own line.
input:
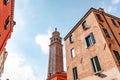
(101, 9)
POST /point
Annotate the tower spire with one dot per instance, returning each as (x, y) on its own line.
(55, 64)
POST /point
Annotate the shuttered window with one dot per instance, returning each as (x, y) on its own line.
(72, 53)
(119, 23)
(117, 55)
(71, 39)
(84, 25)
(99, 17)
(106, 33)
(113, 22)
(75, 74)
(96, 64)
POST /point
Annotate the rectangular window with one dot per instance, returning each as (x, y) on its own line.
(72, 53)
(113, 22)
(119, 33)
(90, 40)
(96, 64)
(99, 17)
(84, 24)
(75, 74)
(6, 2)
(71, 39)
(7, 22)
(119, 23)
(106, 33)
(117, 55)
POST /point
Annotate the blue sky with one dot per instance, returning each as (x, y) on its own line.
(35, 20)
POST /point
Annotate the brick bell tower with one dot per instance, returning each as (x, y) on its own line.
(55, 55)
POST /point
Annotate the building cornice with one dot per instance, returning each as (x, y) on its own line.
(81, 20)
(12, 13)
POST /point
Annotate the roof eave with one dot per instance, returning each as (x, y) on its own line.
(80, 21)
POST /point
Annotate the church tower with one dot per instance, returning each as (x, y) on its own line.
(55, 55)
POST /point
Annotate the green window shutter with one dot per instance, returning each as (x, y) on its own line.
(92, 60)
(97, 64)
(75, 74)
(113, 22)
(117, 55)
(106, 33)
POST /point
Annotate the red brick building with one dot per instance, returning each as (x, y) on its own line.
(6, 24)
(61, 76)
(55, 67)
(93, 47)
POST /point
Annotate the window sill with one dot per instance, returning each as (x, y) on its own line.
(108, 37)
(98, 73)
(89, 46)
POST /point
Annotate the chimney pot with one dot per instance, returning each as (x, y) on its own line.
(101, 9)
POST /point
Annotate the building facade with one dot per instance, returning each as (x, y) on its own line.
(6, 26)
(93, 47)
(55, 67)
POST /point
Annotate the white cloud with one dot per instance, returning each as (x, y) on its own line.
(108, 8)
(43, 40)
(17, 69)
(115, 1)
(22, 4)
(19, 18)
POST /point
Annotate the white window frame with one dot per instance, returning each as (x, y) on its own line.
(72, 52)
